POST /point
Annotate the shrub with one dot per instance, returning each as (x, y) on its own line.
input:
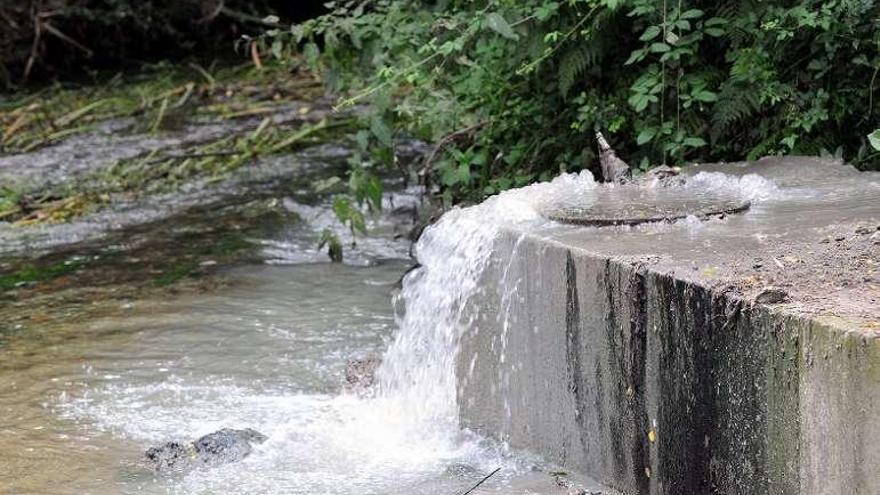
(513, 90)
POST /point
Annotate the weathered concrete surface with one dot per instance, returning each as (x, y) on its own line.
(638, 356)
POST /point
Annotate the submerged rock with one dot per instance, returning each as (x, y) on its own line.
(360, 372)
(221, 447)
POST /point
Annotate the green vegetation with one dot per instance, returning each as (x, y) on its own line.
(32, 273)
(511, 92)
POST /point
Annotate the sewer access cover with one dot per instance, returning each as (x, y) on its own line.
(637, 204)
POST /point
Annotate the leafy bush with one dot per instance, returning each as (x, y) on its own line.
(512, 91)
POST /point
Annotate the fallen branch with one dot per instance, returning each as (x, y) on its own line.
(63, 37)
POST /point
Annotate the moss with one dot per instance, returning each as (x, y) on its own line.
(176, 273)
(35, 273)
(228, 245)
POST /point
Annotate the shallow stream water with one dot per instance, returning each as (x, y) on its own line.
(261, 342)
(82, 403)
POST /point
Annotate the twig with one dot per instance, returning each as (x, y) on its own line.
(481, 481)
(445, 141)
(161, 115)
(54, 31)
(255, 55)
(35, 47)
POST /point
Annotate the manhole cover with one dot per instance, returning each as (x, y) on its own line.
(633, 205)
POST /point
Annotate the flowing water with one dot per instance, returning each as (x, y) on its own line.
(82, 400)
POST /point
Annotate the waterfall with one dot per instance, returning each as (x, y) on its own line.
(418, 371)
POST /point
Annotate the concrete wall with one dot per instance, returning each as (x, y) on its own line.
(652, 384)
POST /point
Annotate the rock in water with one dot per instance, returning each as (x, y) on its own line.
(220, 447)
(360, 372)
(613, 168)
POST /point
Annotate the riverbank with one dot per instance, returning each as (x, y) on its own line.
(153, 181)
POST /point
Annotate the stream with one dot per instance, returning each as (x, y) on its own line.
(83, 401)
(171, 316)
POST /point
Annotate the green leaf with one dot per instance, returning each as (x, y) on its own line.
(448, 173)
(381, 130)
(646, 135)
(546, 11)
(650, 33)
(496, 22)
(659, 47)
(694, 142)
(705, 95)
(348, 214)
(639, 101)
(311, 52)
(373, 192)
(464, 173)
(636, 56)
(691, 14)
(277, 48)
(874, 139)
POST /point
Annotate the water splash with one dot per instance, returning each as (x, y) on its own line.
(418, 372)
(750, 187)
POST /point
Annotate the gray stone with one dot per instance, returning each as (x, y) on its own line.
(360, 372)
(221, 447)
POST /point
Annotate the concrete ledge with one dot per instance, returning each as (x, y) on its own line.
(654, 381)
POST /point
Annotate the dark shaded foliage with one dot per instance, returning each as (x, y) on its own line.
(40, 38)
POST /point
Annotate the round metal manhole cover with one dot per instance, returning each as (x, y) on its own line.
(634, 205)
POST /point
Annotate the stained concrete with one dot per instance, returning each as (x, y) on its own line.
(638, 355)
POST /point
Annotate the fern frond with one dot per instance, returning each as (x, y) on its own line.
(736, 102)
(575, 62)
(572, 64)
